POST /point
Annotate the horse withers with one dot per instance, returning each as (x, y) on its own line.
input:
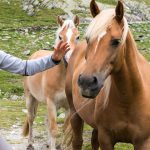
(49, 86)
(110, 84)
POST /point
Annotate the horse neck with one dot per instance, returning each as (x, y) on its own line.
(128, 79)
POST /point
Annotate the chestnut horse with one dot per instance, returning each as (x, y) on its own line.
(110, 84)
(49, 86)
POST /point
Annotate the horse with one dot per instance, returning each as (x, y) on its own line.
(49, 86)
(110, 84)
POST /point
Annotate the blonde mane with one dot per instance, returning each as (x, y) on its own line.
(100, 24)
(107, 86)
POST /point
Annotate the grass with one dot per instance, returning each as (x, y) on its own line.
(13, 111)
(145, 1)
(19, 18)
(141, 34)
(110, 2)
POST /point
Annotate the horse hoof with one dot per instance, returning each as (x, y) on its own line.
(30, 147)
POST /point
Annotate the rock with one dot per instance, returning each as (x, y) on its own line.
(135, 11)
(86, 20)
(62, 115)
(14, 97)
(5, 99)
(25, 111)
(26, 52)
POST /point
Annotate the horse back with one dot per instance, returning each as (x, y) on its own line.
(46, 84)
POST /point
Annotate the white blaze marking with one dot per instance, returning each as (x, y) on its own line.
(68, 55)
(69, 35)
(101, 35)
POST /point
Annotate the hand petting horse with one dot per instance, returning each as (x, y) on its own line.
(49, 86)
(110, 84)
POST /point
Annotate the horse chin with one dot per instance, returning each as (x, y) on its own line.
(90, 94)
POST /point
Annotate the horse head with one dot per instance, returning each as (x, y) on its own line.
(104, 54)
(68, 32)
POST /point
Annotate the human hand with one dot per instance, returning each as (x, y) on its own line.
(61, 49)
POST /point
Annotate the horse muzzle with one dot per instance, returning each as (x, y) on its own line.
(89, 86)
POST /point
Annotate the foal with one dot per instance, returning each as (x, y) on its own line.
(49, 86)
(110, 84)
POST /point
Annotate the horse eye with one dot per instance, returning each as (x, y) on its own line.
(78, 38)
(60, 38)
(115, 42)
(87, 39)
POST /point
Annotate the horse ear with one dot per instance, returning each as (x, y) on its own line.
(119, 11)
(76, 20)
(60, 21)
(94, 8)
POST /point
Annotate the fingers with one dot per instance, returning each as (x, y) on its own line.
(64, 45)
(62, 48)
(65, 49)
(59, 44)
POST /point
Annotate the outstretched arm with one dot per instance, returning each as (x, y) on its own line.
(31, 67)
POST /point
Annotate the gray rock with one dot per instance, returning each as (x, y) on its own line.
(26, 52)
(14, 97)
(135, 11)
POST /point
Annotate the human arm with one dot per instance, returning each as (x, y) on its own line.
(30, 67)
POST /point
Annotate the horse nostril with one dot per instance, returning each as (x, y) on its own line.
(79, 80)
(87, 82)
(95, 81)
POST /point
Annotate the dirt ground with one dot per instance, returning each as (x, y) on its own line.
(14, 137)
(18, 142)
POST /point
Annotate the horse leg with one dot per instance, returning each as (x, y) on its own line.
(147, 144)
(31, 104)
(142, 145)
(77, 127)
(52, 124)
(105, 141)
(94, 140)
(67, 120)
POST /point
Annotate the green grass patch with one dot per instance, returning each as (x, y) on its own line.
(110, 2)
(10, 84)
(12, 16)
(123, 146)
(11, 113)
(141, 34)
(144, 1)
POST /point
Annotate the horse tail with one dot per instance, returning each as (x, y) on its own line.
(26, 128)
(68, 133)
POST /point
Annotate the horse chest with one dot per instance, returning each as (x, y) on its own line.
(127, 127)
